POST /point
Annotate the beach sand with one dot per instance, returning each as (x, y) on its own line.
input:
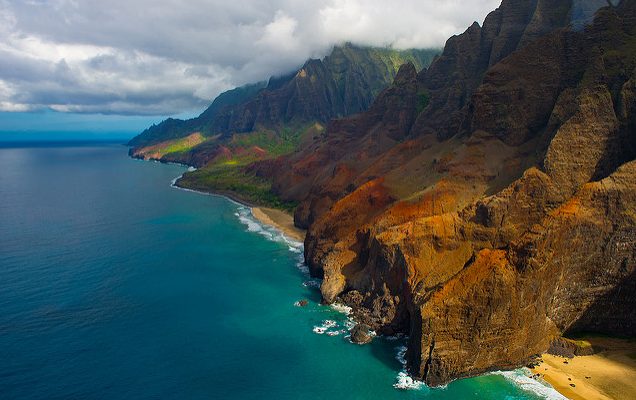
(609, 374)
(279, 220)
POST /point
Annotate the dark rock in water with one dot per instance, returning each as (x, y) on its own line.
(360, 334)
(302, 303)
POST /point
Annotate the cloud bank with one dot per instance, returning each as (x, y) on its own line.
(162, 57)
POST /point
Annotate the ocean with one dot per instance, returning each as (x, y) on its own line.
(115, 285)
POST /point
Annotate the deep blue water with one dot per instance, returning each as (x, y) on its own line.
(114, 285)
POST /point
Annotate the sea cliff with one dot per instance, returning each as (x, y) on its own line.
(484, 206)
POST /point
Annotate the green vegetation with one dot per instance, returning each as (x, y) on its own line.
(180, 146)
(229, 174)
(372, 60)
(233, 178)
(423, 98)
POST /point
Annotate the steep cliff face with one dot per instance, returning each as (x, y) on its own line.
(486, 205)
(343, 83)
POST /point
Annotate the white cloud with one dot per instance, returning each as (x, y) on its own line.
(169, 56)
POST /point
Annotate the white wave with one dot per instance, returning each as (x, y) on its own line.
(326, 325)
(341, 308)
(246, 217)
(173, 183)
(401, 355)
(302, 267)
(405, 382)
(312, 283)
(521, 379)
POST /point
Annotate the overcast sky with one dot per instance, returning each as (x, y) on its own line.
(164, 57)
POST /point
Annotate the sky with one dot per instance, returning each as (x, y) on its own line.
(143, 60)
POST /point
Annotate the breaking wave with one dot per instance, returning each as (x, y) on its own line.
(521, 379)
(403, 380)
(244, 214)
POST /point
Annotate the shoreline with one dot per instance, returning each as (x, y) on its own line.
(608, 374)
(284, 222)
(280, 220)
(277, 219)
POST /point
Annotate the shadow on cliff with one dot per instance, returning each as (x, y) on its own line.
(613, 313)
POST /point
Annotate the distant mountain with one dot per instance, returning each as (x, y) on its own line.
(343, 83)
(177, 128)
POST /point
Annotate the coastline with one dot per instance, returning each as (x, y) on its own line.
(280, 220)
(284, 222)
(608, 374)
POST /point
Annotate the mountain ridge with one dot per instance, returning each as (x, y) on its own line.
(342, 83)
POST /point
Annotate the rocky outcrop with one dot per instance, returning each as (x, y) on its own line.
(487, 205)
(360, 334)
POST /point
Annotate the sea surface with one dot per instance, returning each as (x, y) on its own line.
(115, 285)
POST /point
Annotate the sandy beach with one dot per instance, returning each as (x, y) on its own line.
(280, 220)
(609, 374)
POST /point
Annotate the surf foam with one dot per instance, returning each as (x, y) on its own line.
(324, 328)
(521, 379)
(403, 381)
(246, 217)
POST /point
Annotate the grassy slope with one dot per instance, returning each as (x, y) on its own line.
(171, 128)
(230, 176)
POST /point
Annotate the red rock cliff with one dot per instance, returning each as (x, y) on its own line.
(488, 204)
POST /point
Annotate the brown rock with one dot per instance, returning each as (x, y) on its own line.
(360, 334)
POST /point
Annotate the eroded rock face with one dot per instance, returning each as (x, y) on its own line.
(487, 205)
(343, 83)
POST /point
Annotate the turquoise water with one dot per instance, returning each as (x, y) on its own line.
(113, 285)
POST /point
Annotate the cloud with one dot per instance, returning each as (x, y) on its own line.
(162, 57)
